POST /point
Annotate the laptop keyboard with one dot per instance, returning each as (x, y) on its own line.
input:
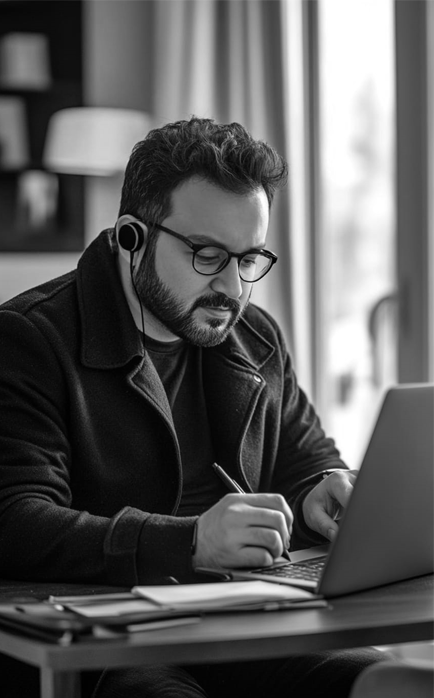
(308, 569)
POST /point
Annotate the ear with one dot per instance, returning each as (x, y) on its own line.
(131, 235)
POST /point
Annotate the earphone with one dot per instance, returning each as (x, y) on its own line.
(131, 234)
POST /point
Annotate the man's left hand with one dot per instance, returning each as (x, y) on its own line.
(323, 506)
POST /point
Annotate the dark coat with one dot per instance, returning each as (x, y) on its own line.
(90, 472)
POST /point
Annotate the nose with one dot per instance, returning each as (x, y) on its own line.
(228, 281)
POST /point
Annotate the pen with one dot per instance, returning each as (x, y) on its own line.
(230, 484)
(235, 487)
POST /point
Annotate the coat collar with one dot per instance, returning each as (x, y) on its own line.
(109, 335)
(245, 346)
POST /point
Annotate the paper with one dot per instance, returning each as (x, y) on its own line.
(151, 602)
(115, 608)
(224, 595)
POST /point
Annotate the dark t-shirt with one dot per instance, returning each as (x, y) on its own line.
(179, 365)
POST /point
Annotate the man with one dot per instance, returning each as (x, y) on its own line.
(122, 382)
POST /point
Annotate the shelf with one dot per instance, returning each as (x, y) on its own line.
(61, 24)
(23, 91)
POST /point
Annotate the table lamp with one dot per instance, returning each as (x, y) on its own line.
(97, 142)
(93, 140)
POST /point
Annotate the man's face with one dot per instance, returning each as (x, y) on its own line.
(201, 309)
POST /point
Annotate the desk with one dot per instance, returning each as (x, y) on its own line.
(397, 613)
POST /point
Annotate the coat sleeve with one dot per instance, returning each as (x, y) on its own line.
(304, 451)
(42, 536)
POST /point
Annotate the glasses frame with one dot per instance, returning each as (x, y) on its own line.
(198, 247)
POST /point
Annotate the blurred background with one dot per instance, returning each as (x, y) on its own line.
(343, 89)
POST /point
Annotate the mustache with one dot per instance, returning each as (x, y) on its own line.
(217, 300)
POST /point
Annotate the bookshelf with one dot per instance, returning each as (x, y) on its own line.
(59, 25)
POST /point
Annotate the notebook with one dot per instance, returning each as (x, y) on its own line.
(386, 532)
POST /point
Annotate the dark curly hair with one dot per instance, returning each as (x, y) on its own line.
(224, 154)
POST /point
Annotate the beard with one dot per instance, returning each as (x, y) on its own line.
(164, 305)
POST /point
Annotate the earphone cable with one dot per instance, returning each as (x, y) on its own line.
(138, 297)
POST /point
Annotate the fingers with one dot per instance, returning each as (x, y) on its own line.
(324, 505)
(267, 507)
(244, 529)
(268, 535)
(340, 485)
(254, 557)
(325, 524)
(258, 520)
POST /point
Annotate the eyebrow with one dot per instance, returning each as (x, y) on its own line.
(206, 240)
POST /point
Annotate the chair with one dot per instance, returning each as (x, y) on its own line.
(389, 679)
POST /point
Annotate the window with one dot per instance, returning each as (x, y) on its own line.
(356, 255)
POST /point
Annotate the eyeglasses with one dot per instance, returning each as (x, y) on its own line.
(211, 259)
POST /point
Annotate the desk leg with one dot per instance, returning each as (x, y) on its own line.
(59, 684)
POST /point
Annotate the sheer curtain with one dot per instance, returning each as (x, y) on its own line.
(227, 59)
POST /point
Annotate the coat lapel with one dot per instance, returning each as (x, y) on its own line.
(233, 385)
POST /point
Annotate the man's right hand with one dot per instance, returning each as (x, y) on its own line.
(243, 530)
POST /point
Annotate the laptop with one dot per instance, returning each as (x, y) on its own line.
(386, 532)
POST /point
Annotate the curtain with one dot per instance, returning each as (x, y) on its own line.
(226, 59)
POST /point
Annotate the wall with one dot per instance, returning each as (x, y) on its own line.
(118, 52)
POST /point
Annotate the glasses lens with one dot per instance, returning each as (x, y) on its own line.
(210, 260)
(254, 266)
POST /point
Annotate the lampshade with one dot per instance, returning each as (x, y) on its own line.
(93, 140)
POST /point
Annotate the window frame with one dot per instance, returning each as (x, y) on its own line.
(414, 178)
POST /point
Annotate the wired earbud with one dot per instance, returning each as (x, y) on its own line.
(131, 236)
